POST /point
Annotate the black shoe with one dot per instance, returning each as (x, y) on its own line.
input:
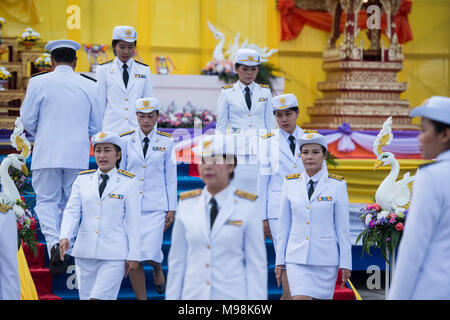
(56, 265)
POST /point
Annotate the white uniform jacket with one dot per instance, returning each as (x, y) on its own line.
(423, 260)
(233, 113)
(227, 262)
(109, 228)
(61, 111)
(118, 103)
(316, 231)
(276, 161)
(157, 173)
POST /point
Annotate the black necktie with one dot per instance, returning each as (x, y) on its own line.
(247, 97)
(311, 188)
(146, 140)
(292, 144)
(214, 210)
(103, 184)
(125, 74)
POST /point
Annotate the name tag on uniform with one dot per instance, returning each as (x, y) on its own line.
(324, 198)
(159, 149)
(143, 76)
(263, 99)
(236, 223)
(115, 196)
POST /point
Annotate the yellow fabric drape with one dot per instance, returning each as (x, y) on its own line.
(177, 28)
(27, 287)
(22, 11)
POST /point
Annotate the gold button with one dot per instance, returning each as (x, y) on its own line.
(126, 99)
(126, 118)
(99, 203)
(249, 125)
(98, 217)
(143, 166)
(307, 222)
(307, 207)
(209, 247)
(207, 282)
(142, 179)
(126, 108)
(307, 238)
(295, 167)
(96, 231)
(140, 192)
(207, 265)
(249, 114)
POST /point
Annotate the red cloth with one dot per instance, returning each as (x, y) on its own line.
(293, 19)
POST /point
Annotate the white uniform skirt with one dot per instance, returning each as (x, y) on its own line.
(313, 281)
(99, 279)
(152, 231)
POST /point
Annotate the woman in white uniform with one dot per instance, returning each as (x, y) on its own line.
(218, 250)
(106, 200)
(244, 109)
(423, 259)
(150, 155)
(313, 229)
(121, 81)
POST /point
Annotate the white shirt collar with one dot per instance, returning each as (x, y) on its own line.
(142, 134)
(315, 178)
(286, 134)
(63, 68)
(220, 197)
(128, 63)
(110, 173)
(242, 86)
(443, 156)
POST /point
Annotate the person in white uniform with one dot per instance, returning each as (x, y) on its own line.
(59, 106)
(218, 250)
(313, 228)
(423, 258)
(279, 156)
(244, 109)
(106, 201)
(150, 155)
(121, 82)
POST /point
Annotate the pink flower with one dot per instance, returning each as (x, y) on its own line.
(376, 206)
(399, 226)
(369, 207)
(388, 239)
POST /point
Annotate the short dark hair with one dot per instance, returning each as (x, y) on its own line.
(439, 126)
(115, 42)
(293, 109)
(118, 161)
(64, 55)
(237, 65)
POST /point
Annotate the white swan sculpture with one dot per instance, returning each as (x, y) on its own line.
(391, 194)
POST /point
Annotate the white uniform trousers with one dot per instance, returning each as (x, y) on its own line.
(99, 279)
(152, 231)
(9, 269)
(52, 187)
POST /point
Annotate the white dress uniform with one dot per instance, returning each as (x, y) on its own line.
(423, 260)
(9, 270)
(109, 232)
(227, 261)
(61, 111)
(117, 102)
(314, 234)
(157, 178)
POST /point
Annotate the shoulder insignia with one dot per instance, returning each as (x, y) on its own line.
(87, 77)
(228, 86)
(335, 176)
(126, 173)
(87, 171)
(292, 176)
(141, 63)
(270, 134)
(246, 195)
(106, 62)
(264, 86)
(39, 73)
(126, 133)
(164, 133)
(190, 194)
(309, 131)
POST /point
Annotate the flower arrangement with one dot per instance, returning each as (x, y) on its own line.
(382, 229)
(189, 117)
(22, 182)
(4, 74)
(26, 225)
(43, 61)
(93, 51)
(29, 37)
(224, 69)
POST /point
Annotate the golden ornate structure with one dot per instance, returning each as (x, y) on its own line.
(361, 86)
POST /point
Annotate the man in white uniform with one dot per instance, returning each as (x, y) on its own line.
(61, 111)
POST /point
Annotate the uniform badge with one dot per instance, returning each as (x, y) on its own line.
(162, 149)
(324, 198)
(236, 223)
(115, 196)
(141, 76)
(263, 99)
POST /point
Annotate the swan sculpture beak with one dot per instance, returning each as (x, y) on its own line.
(25, 169)
(378, 163)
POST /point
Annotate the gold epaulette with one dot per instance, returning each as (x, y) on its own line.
(246, 195)
(292, 176)
(39, 73)
(87, 171)
(190, 194)
(164, 134)
(126, 173)
(309, 131)
(335, 176)
(264, 86)
(270, 134)
(228, 86)
(106, 62)
(126, 133)
(141, 63)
